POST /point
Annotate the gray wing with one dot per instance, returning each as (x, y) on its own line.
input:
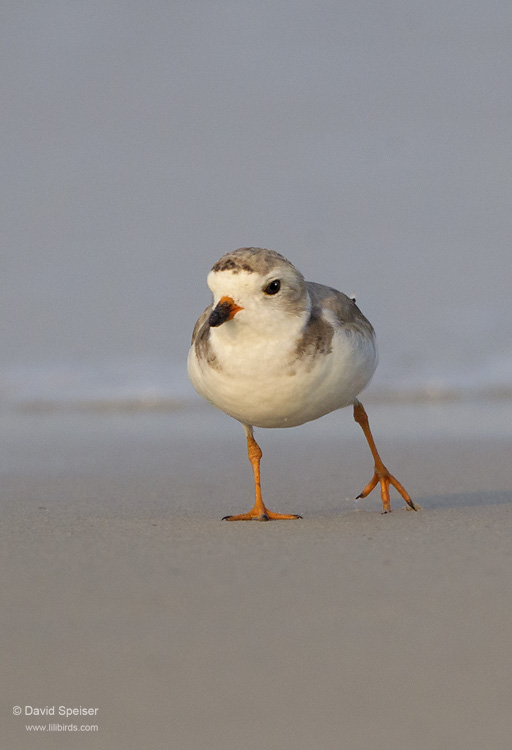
(343, 307)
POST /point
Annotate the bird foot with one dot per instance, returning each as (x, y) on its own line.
(258, 514)
(383, 477)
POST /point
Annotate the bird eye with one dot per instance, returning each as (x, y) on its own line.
(273, 287)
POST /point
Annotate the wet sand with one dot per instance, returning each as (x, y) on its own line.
(122, 589)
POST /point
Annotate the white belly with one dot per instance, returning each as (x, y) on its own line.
(262, 385)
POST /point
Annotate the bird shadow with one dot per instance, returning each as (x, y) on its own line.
(479, 499)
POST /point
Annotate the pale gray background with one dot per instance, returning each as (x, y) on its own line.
(369, 142)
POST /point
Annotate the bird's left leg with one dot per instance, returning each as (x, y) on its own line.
(381, 474)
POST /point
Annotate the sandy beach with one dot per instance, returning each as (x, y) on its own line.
(123, 592)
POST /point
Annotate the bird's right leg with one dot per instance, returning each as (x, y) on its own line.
(259, 512)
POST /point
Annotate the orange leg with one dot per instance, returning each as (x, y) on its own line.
(259, 512)
(381, 474)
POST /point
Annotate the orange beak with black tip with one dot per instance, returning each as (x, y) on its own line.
(224, 311)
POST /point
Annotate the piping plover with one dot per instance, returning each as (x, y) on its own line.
(274, 350)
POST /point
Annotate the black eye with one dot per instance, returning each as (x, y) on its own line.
(273, 287)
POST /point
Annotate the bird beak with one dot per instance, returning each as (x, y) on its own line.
(225, 310)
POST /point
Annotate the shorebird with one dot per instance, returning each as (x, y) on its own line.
(274, 350)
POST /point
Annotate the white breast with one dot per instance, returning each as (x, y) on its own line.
(260, 381)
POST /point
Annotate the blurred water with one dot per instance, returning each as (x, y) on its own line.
(153, 385)
(369, 143)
